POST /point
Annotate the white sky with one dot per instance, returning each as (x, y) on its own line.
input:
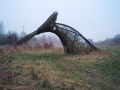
(95, 19)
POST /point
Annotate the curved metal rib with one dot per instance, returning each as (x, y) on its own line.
(72, 30)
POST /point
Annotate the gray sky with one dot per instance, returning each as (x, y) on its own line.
(95, 19)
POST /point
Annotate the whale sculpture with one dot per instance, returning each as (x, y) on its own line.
(72, 41)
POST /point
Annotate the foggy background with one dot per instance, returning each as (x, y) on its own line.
(95, 19)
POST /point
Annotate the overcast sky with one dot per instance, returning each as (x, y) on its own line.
(95, 19)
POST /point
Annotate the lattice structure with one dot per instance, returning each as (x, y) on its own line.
(73, 41)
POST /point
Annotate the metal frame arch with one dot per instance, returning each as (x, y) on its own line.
(72, 41)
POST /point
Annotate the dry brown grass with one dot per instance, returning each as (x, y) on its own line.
(23, 75)
(39, 74)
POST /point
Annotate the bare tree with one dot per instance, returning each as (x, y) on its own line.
(117, 39)
(2, 33)
(11, 37)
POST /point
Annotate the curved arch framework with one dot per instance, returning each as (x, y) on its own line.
(73, 41)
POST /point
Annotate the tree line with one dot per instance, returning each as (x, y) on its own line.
(42, 40)
(111, 41)
(10, 36)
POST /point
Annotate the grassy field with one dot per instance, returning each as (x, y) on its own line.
(52, 69)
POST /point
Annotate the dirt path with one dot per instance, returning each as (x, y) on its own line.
(70, 66)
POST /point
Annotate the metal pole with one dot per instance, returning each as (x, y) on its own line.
(23, 27)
